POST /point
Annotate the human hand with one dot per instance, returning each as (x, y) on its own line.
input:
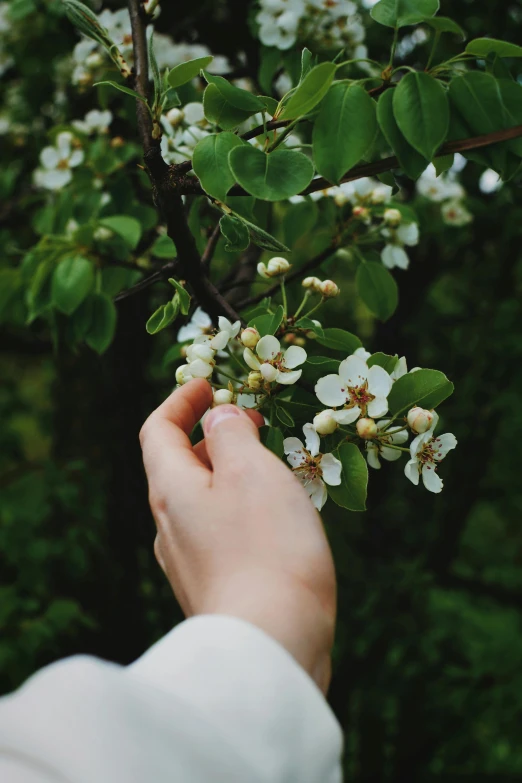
(236, 532)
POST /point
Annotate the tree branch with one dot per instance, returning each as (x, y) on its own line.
(209, 251)
(160, 274)
(313, 263)
(387, 164)
(166, 183)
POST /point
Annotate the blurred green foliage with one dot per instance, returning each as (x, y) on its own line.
(428, 659)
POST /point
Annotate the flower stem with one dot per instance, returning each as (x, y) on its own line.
(305, 299)
(283, 294)
(309, 313)
(226, 374)
(235, 359)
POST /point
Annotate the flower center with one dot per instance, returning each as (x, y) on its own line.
(63, 164)
(310, 469)
(359, 396)
(428, 452)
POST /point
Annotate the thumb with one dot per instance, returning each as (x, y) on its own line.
(231, 437)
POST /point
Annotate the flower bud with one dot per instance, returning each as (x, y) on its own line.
(276, 267)
(250, 337)
(223, 397)
(200, 369)
(366, 428)
(392, 217)
(102, 233)
(329, 289)
(325, 423)
(117, 141)
(312, 282)
(361, 213)
(175, 117)
(420, 420)
(268, 372)
(94, 60)
(255, 380)
(200, 351)
(183, 374)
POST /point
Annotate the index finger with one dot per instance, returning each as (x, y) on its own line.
(170, 461)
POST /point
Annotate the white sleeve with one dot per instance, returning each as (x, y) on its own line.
(215, 701)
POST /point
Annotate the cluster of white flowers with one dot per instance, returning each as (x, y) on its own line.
(358, 395)
(329, 24)
(89, 56)
(182, 129)
(201, 354)
(446, 190)
(57, 162)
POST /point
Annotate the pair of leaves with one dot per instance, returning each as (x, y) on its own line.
(268, 323)
(310, 91)
(425, 388)
(167, 313)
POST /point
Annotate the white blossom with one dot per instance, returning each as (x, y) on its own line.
(381, 446)
(393, 254)
(227, 331)
(490, 181)
(439, 188)
(273, 363)
(454, 213)
(426, 452)
(57, 163)
(95, 121)
(360, 390)
(312, 468)
(200, 324)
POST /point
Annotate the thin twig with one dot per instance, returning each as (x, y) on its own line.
(209, 251)
(313, 263)
(156, 277)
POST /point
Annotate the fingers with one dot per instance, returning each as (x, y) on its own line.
(170, 461)
(232, 439)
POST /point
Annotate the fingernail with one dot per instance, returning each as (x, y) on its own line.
(218, 415)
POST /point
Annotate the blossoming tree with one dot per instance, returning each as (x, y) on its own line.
(311, 168)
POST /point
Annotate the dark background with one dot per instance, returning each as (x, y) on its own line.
(428, 660)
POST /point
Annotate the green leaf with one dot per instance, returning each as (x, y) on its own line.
(127, 228)
(312, 89)
(476, 100)
(184, 296)
(425, 388)
(164, 247)
(272, 438)
(154, 69)
(220, 111)
(39, 293)
(299, 220)
(481, 47)
(235, 232)
(240, 99)
(410, 160)
(185, 72)
(284, 415)
(306, 63)
(270, 103)
(163, 316)
(262, 238)
(316, 367)
(270, 177)
(377, 289)
(352, 491)
(270, 60)
(115, 278)
(421, 109)
(511, 96)
(73, 279)
(443, 24)
(401, 13)
(383, 360)
(443, 163)
(339, 340)
(122, 88)
(344, 130)
(210, 163)
(103, 323)
(308, 324)
(277, 319)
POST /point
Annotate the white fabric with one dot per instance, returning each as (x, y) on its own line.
(215, 701)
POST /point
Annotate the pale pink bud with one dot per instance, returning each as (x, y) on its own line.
(329, 289)
(366, 428)
(312, 282)
(361, 213)
(250, 337)
(325, 423)
(420, 420)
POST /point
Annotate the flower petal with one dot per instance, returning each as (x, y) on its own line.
(390, 454)
(398, 437)
(312, 439)
(294, 356)
(76, 158)
(220, 340)
(201, 318)
(268, 347)
(251, 359)
(354, 371)
(377, 407)
(379, 382)
(49, 157)
(442, 444)
(331, 390)
(418, 443)
(200, 369)
(411, 471)
(401, 368)
(292, 444)
(393, 255)
(188, 332)
(331, 468)
(269, 372)
(372, 455)
(287, 378)
(224, 324)
(347, 415)
(432, 481)
(318, 493)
